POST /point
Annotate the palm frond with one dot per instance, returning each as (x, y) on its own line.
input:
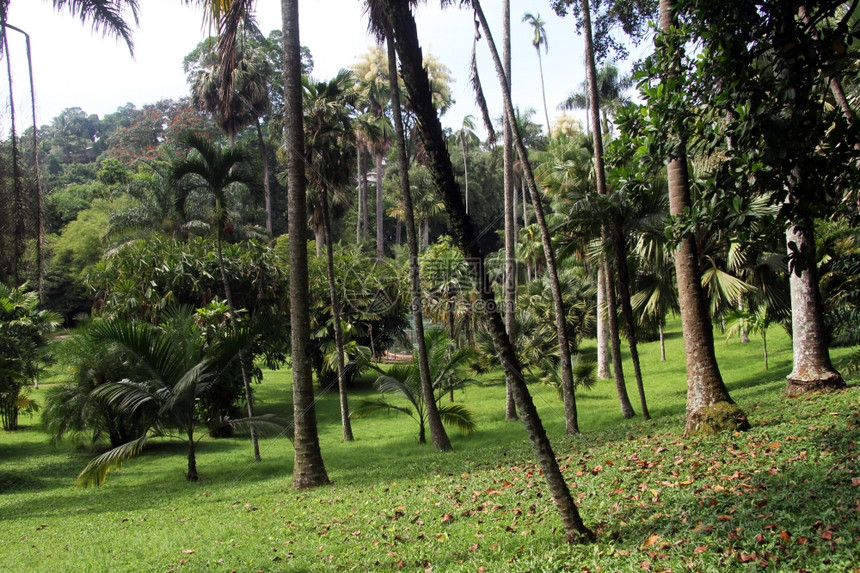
(97, 470)
(458, 416)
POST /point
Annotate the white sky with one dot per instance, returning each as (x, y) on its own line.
(74, 67)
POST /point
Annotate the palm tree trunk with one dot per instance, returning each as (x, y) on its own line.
(380, 241)
(662, 342)
(417, 84)
(510, 191)
(40, 204)
(568, 393)
(603, 370)
(627, 314)
(335, 316)
(615, 342)
(813, 371)
(192, 460)
(18, 195)
(620, 259)
(709, 406)
(441, 442)
(360, 185)
(308, 467)
(466, 174)
(543, 91)
(267, 193)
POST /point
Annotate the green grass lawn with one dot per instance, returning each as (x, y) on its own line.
(784, 496)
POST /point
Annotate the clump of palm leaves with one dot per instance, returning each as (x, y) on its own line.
(584, 373)
(171, 367)
(448, 372)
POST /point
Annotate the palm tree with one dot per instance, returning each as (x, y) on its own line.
(241, 103)
(466, 137)
(214, 171)
(447, 367)
(438, 435)
(398, 16)
(539, 39)
(709, 406)
(329, 149)
(571, 422)
(611, 86)
(308, 466)
(510, 205)
(170, 368)
(371, 72)
(813, 370)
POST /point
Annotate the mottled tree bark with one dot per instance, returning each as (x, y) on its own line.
(510, 191)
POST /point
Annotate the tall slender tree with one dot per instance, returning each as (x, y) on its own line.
(510, 205)
(539, 39)
(571, 422)
(400, 18)
(619, 240)
(308, 466)
(329, 149)
(438, 434)
(214, 170)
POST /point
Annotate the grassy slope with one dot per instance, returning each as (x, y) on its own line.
(783, 497)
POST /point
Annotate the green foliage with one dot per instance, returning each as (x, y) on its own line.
(22, 333)
(73, 410)
(170, 368)
(447, 372)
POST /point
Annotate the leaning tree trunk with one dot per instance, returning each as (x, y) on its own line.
(346, 424)
(417, 84)
(308, 467)
(510, 190)
(710, 409)
(441, 442)
(813, 371)
(567, 387)
(620, 259)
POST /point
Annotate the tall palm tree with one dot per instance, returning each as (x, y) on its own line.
(539, 39)
(382, 28)
(510, 205)
(617, 239)
(213, 170)
(571, 422)
(329, 148)
(709, 406)
(611, 86)
(308, 466)
(372, 72)
(245, 101)
(466, 138)
(399, 17)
